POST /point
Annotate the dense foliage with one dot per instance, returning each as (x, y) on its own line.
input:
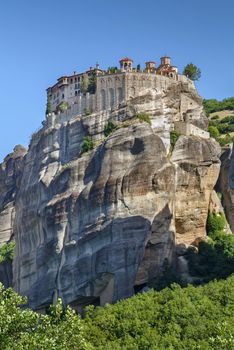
(175, 318)
(215, 222)
(92, 84)
(192, 72)
(112, 70)
(7, 252)
(220, 129)
(87, 145)
(63, 106)
(194, 318)
(109, 128)
(84, 84)
(49, 106)
(213, 105)
(23, 329)
(215, 258)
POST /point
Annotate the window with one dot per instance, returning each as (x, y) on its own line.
(75, 93)
(71, 81)
(62, 95)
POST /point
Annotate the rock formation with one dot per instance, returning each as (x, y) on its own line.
(10, 176)
(90, 227)
(225, 184)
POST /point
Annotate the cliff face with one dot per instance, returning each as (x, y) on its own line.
(91, 227)
(225, 184)
(10, 176)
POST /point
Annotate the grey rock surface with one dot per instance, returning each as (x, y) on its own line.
(10, 176)
(225, 184)
(91, 227)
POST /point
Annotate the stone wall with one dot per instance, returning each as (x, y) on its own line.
(115, 90)
(188, 129)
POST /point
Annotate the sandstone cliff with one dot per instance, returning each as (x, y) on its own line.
(91, 227)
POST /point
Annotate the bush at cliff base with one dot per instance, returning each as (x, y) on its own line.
(24, 329)
(174, 318)
(215, 258)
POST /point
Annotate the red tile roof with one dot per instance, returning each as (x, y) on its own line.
(125, 59)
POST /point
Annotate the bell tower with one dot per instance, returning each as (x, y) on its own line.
(165, 61)
(126, 64)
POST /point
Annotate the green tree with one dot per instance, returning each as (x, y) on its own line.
(192, 72)
(84, 84)
(63, 106)
(112, 70)
(138, 68)
(7, 251)
(109, 128)
(48, 106)
(215, 222)
(92, 83)
(214, 132)
(174, 135)
(23, 329)
(87, 145)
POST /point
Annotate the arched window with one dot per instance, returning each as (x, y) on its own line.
(119, 95)
(103, 100)
(111, 98)
(132, 92)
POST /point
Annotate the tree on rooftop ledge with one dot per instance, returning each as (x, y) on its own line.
(112, 70)
(85, 84)
(63, 106)
(48, 106)
(92, 84)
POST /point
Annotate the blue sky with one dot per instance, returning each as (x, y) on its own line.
(44, 39)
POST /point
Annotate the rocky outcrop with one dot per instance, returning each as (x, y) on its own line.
(225, 185)
(10, 176)
(90, 227)
(197, 169)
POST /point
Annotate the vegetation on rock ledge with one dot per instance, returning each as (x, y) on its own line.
(144, 118)
(87, 145)
(174, 135)
(7, 252)
(109, 128)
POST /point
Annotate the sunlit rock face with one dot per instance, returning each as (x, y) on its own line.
(225, 184)
(91, 227)
(197, 169)
(10, 176)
